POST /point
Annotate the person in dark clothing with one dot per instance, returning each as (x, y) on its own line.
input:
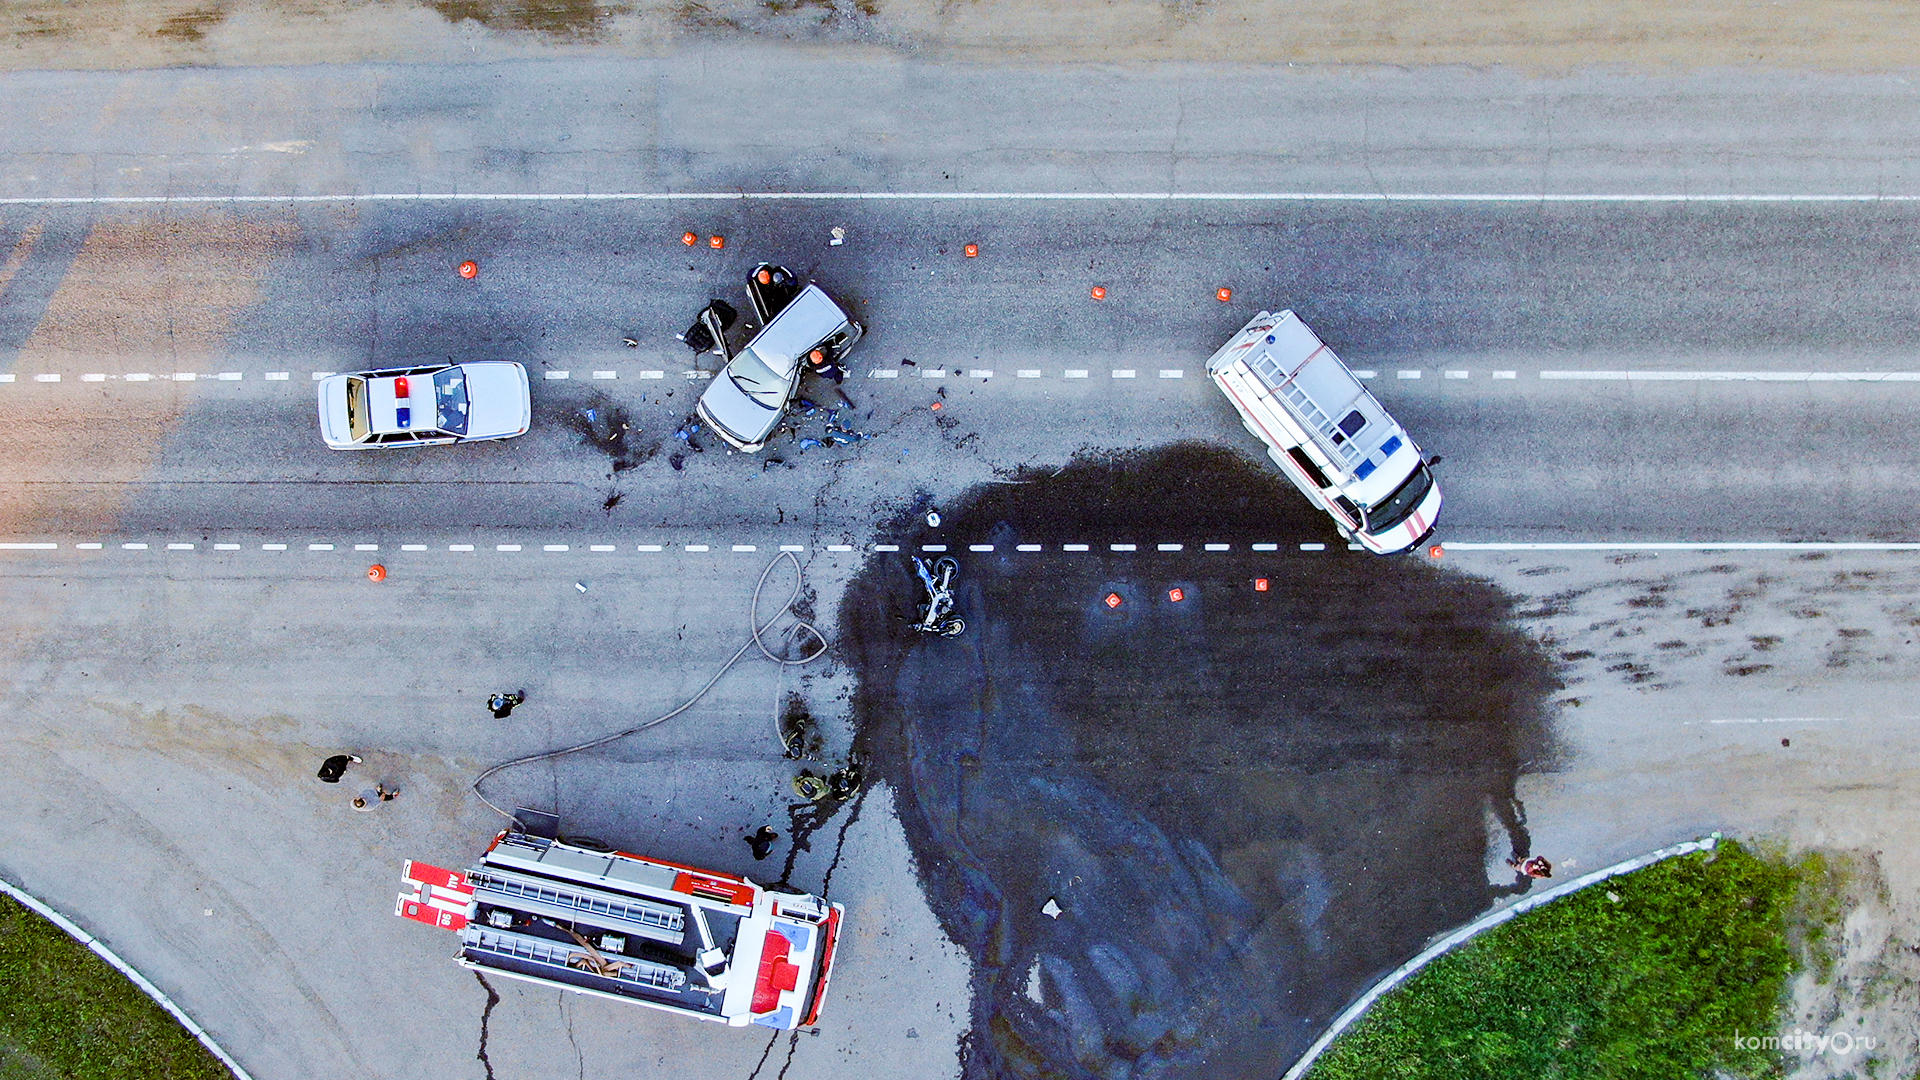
(502, 704)
(829, 368)
(761, 842)
(332, 769)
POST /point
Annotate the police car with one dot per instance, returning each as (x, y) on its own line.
(425, 406)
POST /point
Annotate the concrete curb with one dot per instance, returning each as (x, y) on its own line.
(1472, 930)
(139, 980)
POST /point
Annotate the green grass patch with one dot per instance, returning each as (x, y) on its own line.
(1650, 974)
(65, 1013)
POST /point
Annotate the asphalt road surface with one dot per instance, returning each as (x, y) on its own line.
(193, 630)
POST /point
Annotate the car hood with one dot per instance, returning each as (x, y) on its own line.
(498, 402)
(333, 411)
(741, 420)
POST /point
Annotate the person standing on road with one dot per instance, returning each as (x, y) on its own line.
(332, 769)
(364, 801)
(502, 704)
(829, 368)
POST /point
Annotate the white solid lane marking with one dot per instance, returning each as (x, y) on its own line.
(133, 547)
(793, 547)
(698, 547)
(602, 547)
(229, 376)
(553, 547)
(47, 377)
(276, 376)
(1735, 376)
(1172, 373)
(745, 547)
(883, 373)
(1073, 547)
(839, 547)
(1506, 374)
(1027, 373)
(93, 377)
(606, 375)
(653, 374)
(1703, 545)
(459, 547)
(1313, 547)
(506, 547)
(1770, 720)
(179, 547)
(366, 547)
(979, 373)
(226, 547)
(319, 547)
(557, 374)
(1171, 547)
(1365, 374)
(89, 547)
(273, 547)
(886, 547)
(933, 547)
(1456, 374)
(1027, 547)
(1219, 547)
(35, 547)
(649, 547)
(1121, 547)
(1408, 373)
(1266, 547)
(979, 547)
(139, 376)
(967, 196)
(1123, 373)
(413, 547)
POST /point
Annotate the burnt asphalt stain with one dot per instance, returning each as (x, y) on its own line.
(1247, 804)
(609, 428)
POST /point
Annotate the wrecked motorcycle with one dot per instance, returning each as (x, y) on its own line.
(936, 615)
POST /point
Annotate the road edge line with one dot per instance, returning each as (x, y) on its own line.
(146, 986)
(1474, 929)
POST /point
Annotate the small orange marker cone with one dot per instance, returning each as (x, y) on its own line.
(1223, 295)
(1176, 595)
(469, 269)
(972, 251)
(716, 242)
(1436, 551)
(936, 406)
(1259, 584)
(689, 239)
(1099, 292)
(376, 572)
(1113, 600)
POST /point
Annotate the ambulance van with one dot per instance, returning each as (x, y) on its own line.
(1328, 434)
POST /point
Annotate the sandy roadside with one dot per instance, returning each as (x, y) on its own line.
(1549, 37)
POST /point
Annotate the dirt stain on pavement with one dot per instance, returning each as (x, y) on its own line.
(1245, 804)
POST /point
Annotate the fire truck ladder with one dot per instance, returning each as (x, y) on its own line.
(554, 954)
(662, 922)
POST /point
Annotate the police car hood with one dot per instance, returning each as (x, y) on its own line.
(497, 399)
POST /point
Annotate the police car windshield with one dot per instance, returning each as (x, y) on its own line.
(756, 380)
(450, 400)
(1396, 507)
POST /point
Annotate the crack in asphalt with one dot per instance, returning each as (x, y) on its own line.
(764, 1055)
(486, 1017)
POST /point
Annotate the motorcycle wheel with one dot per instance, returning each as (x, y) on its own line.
(953, 628)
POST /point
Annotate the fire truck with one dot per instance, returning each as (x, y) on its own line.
(633, 929)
